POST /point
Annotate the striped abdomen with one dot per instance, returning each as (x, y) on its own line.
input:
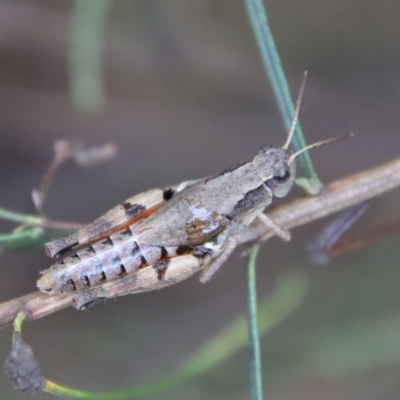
(108, 259)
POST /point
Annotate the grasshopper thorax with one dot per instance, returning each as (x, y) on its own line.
(276, 169)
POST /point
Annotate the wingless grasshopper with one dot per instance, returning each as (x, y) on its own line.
(162, 236)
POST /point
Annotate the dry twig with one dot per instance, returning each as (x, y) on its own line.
(337, 196)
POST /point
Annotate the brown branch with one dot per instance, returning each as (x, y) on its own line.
(335, 197)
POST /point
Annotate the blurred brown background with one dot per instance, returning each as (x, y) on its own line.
(186, 96)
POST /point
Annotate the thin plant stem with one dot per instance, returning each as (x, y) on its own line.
(254, 339)
(276, 75)
(28, 219)
(32, 234)
(85, 66)
(36, 220)
(18, 321)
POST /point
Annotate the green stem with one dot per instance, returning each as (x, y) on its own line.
(18, 321)
(22, 218)
(87, 23)
(276, 75)
(32, 233)
(254, 339)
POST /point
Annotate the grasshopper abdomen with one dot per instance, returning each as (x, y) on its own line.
(105, 260)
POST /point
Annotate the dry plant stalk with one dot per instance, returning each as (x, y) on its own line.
(335, 197)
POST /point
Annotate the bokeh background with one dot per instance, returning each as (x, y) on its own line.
(185, 96)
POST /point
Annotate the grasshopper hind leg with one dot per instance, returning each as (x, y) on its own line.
(156, 276)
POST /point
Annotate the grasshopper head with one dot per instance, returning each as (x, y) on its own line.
(276, 170)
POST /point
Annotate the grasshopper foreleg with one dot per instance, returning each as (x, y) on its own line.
(210, 269)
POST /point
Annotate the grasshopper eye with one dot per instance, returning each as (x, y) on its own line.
(282, 178)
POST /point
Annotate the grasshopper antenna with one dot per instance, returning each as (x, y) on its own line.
(310, 146)
(296, 112)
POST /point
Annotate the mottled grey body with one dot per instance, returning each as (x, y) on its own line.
(227, 202)
(142, 241)
(160, 237)
(107, 259)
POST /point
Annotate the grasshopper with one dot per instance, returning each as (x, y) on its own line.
(162, 236)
